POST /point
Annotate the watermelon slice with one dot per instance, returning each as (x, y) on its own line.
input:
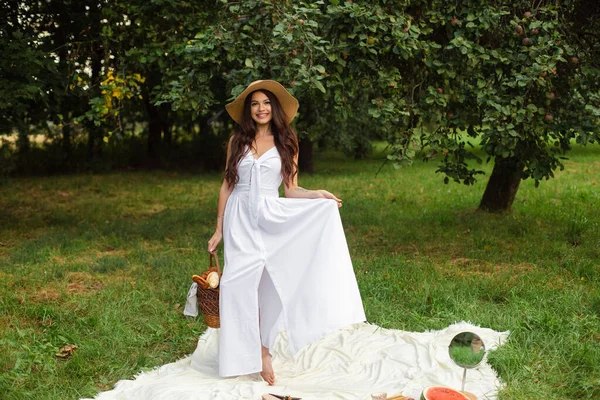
(442, 393)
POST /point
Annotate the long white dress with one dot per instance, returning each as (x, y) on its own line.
(287, 267)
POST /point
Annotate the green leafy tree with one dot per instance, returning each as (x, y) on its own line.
(286, 41)
(518, 80)
(50, 46)
(514, 79)
(440, 76)
(27, 74)
(149, 38)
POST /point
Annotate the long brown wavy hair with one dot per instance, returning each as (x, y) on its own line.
(284, 136)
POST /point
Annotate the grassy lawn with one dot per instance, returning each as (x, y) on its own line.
(104, 262)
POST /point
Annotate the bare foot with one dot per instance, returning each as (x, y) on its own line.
(267, 368)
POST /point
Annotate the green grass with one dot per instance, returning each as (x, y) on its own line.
(104, 262)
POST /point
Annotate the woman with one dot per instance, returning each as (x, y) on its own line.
(287, 265)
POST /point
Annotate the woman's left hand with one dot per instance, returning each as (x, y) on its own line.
(328, 195)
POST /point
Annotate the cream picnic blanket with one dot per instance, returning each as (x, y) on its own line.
(350, 363)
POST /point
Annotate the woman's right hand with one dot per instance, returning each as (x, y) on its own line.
(326, 195)
(214, 242)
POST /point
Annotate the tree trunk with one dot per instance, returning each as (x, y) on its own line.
(94, 145)
(305, 158)
(23, 142)
(503, 185)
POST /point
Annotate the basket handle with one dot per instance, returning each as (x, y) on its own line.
(216, 260)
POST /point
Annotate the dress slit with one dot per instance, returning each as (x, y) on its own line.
(271, 312)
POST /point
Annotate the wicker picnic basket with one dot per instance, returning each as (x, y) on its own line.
(208, 298)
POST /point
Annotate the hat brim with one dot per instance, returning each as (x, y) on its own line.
(289, 104)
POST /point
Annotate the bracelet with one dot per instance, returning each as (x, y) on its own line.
(220, 216)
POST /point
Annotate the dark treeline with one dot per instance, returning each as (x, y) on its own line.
(95, 85)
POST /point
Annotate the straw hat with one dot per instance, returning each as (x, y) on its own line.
(287, 101)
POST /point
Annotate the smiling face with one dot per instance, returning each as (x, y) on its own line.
(260, 108)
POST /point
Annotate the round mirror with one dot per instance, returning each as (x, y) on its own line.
(467, 349)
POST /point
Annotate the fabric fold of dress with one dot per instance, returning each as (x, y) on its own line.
(287, 268)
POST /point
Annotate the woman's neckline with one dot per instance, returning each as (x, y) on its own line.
(261, 156)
